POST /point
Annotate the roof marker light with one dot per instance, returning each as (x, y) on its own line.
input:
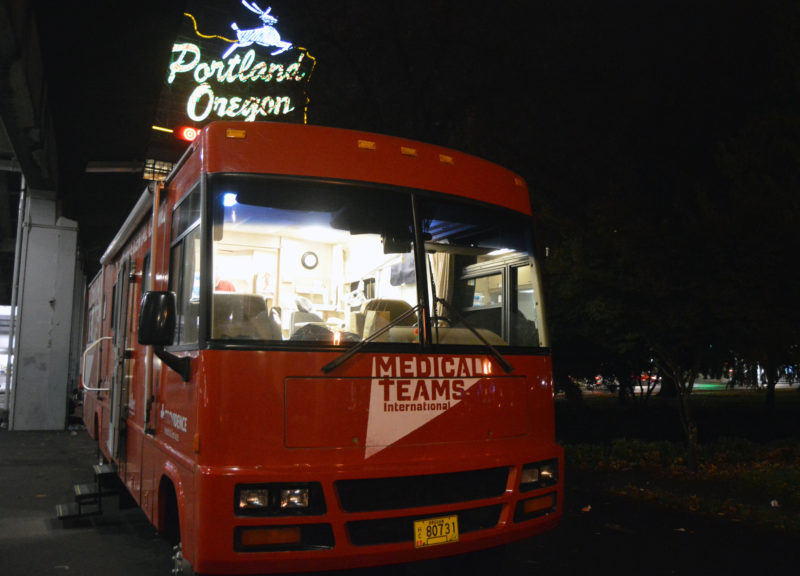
(367, 145)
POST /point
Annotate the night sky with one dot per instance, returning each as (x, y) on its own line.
(547, 87)
(579, 97)
(540, 84)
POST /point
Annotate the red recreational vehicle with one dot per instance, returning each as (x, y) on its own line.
(313, 348)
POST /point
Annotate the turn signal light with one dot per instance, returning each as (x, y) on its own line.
(283, 538)
(535, 507)
(538, 504)
(266, 537)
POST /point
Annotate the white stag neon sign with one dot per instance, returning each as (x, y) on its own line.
(265, 36)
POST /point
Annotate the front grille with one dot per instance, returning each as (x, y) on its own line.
(393, 530)
(369, 495)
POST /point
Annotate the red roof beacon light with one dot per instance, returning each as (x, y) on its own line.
(187, 133)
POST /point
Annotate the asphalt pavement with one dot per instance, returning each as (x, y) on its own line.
(599, 533)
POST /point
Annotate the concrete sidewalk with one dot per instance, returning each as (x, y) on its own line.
(37, 472)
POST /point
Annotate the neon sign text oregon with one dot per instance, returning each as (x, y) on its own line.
(203, 102)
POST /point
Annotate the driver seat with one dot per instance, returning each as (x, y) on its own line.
(381, 311)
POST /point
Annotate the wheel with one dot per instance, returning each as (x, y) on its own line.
(171, 531)
(180, 565)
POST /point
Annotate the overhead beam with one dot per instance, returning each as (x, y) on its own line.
(23, 97)
(103, 167)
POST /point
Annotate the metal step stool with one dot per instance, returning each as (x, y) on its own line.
(88, 498)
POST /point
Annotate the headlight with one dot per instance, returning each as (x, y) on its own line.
(294, 498)
(548, 473)
(538, 475)
(279, 499)
(253, 498)
(529, 475)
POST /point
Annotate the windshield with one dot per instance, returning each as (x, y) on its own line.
(306, 261)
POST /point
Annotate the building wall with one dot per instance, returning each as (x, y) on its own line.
(40, 384)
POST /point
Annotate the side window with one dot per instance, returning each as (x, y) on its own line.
(483, 305)
(113, 312)
(175, 260)
(184, 275)
(185, 282)
(146, 274)
(501, 295)
(525, 311)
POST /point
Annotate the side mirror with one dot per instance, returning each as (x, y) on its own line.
(157, 316)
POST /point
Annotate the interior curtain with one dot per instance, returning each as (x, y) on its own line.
(443, 278)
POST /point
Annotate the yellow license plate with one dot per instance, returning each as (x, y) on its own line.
(433, 531)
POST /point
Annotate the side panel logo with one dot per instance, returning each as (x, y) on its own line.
(173, 422)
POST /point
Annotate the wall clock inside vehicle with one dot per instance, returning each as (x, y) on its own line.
(309, 260)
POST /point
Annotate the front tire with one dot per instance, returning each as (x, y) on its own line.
(180, 565)
(171, 531)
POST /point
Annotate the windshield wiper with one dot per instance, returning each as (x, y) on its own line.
(499, 357)
(330, 366)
